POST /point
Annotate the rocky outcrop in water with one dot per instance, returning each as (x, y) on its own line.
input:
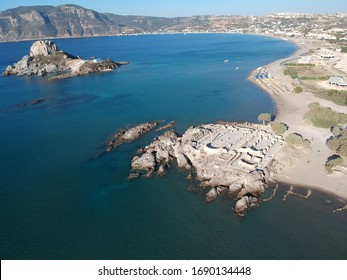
(45, 58)
(167, 126)
(129, 135)
(234, 158)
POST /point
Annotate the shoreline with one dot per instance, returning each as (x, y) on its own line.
(139, 34)
(308, 171)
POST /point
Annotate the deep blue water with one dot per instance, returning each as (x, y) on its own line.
(58, 203)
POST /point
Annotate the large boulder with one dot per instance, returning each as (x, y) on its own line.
(43, 48)
(23, 64)
(145, 162)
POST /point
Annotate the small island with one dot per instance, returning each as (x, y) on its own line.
(45, 58)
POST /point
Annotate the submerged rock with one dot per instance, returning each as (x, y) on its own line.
(167, 126)
(34, 102)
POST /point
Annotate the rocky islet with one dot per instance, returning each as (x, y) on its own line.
(129, 135)
(45, 58)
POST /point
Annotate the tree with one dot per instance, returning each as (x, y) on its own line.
(333, 162)
(295, 139)
(264, 117)
(298, 89)
(279, 128)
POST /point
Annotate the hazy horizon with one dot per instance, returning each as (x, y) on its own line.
(182, 8)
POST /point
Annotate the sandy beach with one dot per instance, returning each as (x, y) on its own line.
(303, 167)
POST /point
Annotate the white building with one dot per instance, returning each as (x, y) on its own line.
(337, 81)
(305, 59)
(325, 53)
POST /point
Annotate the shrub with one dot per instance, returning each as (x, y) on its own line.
(318, 78)
(313, 105)
(300, 64)
(295, 139)
(339, 97)
(339, 143)
(279, 128)
(298, 89)
(325, 117)
(332, 162)
(291, 72)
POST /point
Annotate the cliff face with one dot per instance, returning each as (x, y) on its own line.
(48, 21)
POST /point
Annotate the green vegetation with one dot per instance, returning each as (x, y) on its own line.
(264, 117)
(296, 140)
(57, 58)
(299, 64)
(313, 105)
(319, 78)
(324, 117)
(279, 128)
(344, 49)
(291, 72)
(339, 143)
(298, 89)
(339, 97)
(332, 162)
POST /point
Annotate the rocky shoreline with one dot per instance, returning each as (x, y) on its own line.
(232, 158)
(46, 59)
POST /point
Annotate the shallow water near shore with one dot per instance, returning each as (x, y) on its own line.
(58, 201)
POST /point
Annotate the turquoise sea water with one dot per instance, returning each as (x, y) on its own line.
(57, 202)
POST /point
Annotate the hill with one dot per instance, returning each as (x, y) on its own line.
(38, 22)
(47, 22)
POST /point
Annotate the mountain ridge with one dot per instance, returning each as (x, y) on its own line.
(69, 21)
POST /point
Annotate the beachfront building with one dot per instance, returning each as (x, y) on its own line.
(326, 54)
(337, 81)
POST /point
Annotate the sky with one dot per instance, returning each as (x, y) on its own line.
(174, 8)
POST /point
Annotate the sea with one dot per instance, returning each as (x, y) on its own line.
(59, 199)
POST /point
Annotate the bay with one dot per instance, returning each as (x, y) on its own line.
(57, 201)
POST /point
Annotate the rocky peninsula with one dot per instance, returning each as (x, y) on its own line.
(45, 58)
(232, 158)
(129, 135)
